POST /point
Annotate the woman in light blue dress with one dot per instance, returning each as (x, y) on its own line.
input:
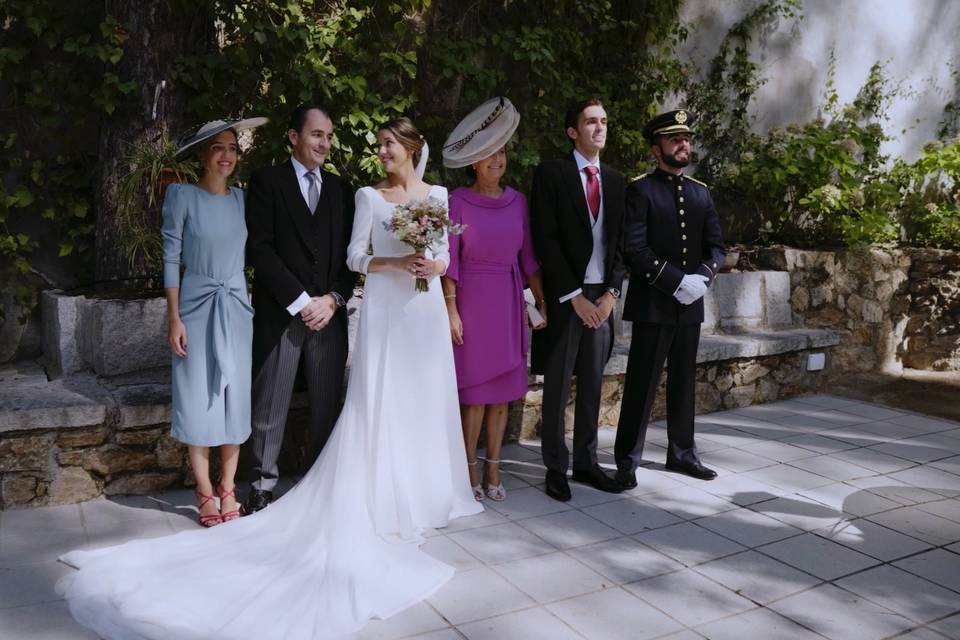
(209, 315)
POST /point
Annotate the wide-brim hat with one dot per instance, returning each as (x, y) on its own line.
(481, 133)
(189, 141)
(677, 121)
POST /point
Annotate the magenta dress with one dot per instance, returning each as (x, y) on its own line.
(490, 262)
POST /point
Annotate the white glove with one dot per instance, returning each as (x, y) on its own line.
(692, 288)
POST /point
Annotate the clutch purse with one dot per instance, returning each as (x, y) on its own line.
(536, 318)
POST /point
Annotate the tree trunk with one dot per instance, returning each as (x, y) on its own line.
(159, 33)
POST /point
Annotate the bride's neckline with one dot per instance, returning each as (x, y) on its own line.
(396, 204)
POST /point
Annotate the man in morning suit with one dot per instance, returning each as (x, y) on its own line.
(673, 248)
(576, 215)
(299, 220)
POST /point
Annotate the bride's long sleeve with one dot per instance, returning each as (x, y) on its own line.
(358, 259)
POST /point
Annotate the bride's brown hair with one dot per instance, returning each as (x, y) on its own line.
(407, 135)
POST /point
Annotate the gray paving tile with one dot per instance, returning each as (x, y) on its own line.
(31, 584)
(806, 423)
(569, 529)
(872, 539)
(888, 430)
(481, 593)
(818, 443)
(936, 565)
(895, 490)
(922, 633)
(48, 621)
(532, 624)
(746, 625)
(446, 550)
(787, 477)
(949, 626)
(800, 512)
(872, 411)
(874, 460)
(552, 577)
(631, 515)
(821, 557)
(850, 500)
(486, 518)
(689, 597)
(748, 527)
(689, 502)
(444, 634)
(19, 548)
(930, 479)
(613, 614)
(652, 480)
(625, 560)
(948, 508)
(60, 519)
(689, 543)
(526, 503)
(501, 543)
(948, 464)
(756, 576)
(903, 593)
(841, 615)
(914, 449)
(919, 524)
(780, 451)
(106, 533)
(931, 425)
(418, 619)
(738, 460)
(830, 467)
(740, 490)
(825, 401)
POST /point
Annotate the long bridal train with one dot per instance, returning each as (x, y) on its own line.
(342, 546)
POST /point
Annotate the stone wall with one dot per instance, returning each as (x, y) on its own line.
(931, 336)
(892, 308)
(727, 384)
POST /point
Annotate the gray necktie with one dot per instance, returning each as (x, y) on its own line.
(313, 191)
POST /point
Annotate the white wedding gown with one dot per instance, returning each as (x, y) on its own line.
(342, 546)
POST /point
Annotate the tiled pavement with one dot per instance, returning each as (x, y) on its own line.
(831, 518)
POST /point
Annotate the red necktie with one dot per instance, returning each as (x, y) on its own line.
(593, 190)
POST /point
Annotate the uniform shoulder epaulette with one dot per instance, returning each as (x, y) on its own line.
(640, 177)
(704, 184)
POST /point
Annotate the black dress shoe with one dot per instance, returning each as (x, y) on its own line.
(694, 469)
(626, 479)
(257, 500)
(597, 479)
(557, 486)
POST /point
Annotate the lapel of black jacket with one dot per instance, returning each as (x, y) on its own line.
(571, 176)
(299, 211)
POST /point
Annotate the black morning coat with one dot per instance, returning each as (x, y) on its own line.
(671, 229)
(561, 226)
(292, 250)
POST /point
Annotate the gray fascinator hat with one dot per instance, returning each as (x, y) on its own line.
(484, 130)
(188, 142)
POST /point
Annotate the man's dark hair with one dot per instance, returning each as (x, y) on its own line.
(572, 117)
(299, 116)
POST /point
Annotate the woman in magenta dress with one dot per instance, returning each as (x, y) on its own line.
(490, 265)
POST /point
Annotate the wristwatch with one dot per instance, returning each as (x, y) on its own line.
(614, 292)
(338, 299)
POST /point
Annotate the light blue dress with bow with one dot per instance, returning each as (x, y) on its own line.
(211, 386)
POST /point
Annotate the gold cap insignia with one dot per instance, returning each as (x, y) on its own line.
(681, 117)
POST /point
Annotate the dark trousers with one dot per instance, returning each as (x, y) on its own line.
(324, 356)
(650, 346)
(583, 352)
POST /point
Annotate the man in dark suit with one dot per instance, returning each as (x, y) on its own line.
(576, 215)
(673, 247)
(299, 220)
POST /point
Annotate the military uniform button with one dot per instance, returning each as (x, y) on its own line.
(656, 262)
(681, 211)
(648, 275)
(684, 249)
(714, 265)
(684, 263)
(683, 237)
(683, 224)
(681, 198)
(679, 187)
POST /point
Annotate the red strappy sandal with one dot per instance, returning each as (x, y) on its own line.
(233, 514)
(207, 521)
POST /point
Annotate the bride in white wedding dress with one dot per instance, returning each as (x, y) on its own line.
(341, 547)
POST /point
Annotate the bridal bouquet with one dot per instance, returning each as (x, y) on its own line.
(420, 223)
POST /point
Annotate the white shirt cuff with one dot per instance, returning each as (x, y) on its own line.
(297, 305)
(571, 295)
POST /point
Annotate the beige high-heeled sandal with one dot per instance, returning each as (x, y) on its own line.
(495, 492)
(477, 488)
